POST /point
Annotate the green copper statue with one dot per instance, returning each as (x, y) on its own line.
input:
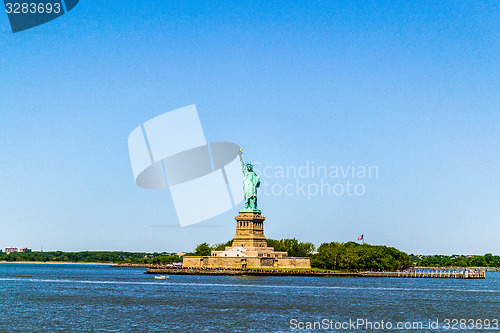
(250, 184)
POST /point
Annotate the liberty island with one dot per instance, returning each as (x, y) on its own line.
(249, 247)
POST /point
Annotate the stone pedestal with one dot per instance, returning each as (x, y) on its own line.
(249, 249)
(249, 230)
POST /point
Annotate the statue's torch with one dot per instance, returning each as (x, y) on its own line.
(241, 158)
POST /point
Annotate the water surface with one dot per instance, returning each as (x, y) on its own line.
(100, 298)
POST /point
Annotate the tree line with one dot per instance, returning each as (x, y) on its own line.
(116, 257)
(334, 255)
(488, 260)
(354, 256)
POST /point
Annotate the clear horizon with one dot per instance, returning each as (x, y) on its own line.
(409, 89)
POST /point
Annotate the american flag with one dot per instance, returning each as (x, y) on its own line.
(360, 237)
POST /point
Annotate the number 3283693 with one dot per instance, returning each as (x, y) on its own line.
(32, 8)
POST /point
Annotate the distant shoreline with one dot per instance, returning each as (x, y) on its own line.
(56, 262)
(491, 269)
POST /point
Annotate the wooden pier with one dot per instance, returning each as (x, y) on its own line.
(420, 273)
(427, 273)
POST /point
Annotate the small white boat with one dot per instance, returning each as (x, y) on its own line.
(161, 277)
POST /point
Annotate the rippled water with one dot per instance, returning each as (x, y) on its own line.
(98, 298)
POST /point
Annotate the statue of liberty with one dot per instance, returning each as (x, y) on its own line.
(250, 184)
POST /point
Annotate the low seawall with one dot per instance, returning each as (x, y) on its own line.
(403, 274)
(202, 271)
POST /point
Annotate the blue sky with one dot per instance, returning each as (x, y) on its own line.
(411, 88)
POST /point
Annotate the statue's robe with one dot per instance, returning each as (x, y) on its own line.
(250, 184)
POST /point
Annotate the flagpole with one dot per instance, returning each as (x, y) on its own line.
(362, 239)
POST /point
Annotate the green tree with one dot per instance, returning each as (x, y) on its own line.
(292, 246)
(202, 250)
(222, 246)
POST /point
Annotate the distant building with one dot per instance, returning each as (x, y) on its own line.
(15, 249)
(11, 249)
(237, 251)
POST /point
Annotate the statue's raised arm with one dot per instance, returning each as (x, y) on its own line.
(241, 159)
